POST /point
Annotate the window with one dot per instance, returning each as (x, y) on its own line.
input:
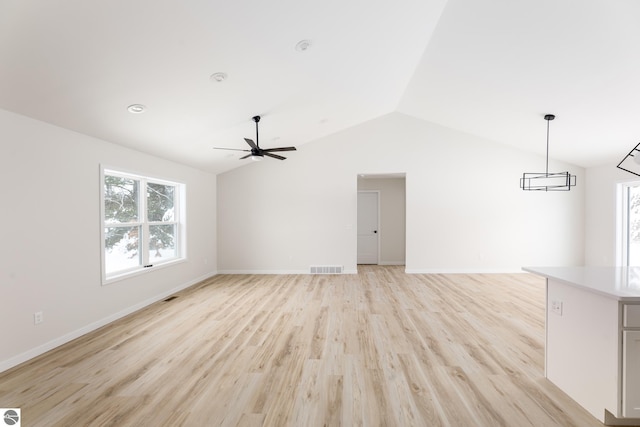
(141, 223)
(630, 229)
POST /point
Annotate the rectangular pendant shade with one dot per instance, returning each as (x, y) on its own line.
(558, 181)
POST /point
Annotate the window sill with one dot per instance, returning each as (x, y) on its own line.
(140, 271)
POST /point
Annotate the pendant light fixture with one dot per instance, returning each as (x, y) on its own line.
(631, 161)
(557, 181)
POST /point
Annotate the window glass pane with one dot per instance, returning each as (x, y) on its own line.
(633, 231)
(160, 202)
(140, 223)
(121, 248)
(162, 242)
(120, 199)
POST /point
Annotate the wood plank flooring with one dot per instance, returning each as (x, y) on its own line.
(381, 348)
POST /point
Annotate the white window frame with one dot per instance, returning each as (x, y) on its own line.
(622, 227)
(178, 220)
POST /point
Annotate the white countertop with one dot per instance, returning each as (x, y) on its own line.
(620, 283)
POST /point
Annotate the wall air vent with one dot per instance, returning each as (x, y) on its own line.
(325, 269)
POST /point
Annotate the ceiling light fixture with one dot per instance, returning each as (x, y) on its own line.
(218, 77)
(631, 161)
(136, 108)
(257, 157)
(303, 45)
(558, 181)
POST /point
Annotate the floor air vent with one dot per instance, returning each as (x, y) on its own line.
(325, 269)
(170, 298)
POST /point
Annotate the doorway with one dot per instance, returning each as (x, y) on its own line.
(390, 223)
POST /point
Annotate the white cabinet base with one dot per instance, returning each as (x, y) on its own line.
(582, 348)
(610, 420)
(592, 348)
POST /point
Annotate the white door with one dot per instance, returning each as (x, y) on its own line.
(367, 227)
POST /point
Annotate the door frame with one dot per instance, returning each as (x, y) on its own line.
(377, 225)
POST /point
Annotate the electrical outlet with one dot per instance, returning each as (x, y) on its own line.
(556, 307)
(37, 318)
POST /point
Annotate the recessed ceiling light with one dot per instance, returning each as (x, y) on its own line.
(218, 77)
(136, 108)
(303, 45)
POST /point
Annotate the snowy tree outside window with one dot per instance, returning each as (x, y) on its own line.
(141, 222)
(631, 228)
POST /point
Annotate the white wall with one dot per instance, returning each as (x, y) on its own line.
(601, 213)
(50, 236)
(392, 219)
(464, 208)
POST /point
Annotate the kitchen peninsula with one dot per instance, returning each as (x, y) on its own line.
(592, 345)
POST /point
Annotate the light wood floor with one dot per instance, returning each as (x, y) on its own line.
(380, 348)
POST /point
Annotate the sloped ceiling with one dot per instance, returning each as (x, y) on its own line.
(490, 68)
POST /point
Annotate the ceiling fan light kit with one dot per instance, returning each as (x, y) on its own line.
(256, 153)
(631, 162)
(547, 181)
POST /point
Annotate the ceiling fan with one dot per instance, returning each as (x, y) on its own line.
(257, 153)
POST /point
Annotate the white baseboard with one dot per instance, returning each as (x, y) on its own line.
(41, 349)
(263, 272)
(345, 271)
(507, 270)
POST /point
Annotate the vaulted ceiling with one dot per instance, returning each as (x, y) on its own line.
(490, 68)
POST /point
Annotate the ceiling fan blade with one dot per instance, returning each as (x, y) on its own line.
(232, 149)
(251, 143)
(269, 150)
(244, 157)
(275, 156)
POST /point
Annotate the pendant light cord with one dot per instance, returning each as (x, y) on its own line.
(548, 118)
(256, 119)
(547, 170)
